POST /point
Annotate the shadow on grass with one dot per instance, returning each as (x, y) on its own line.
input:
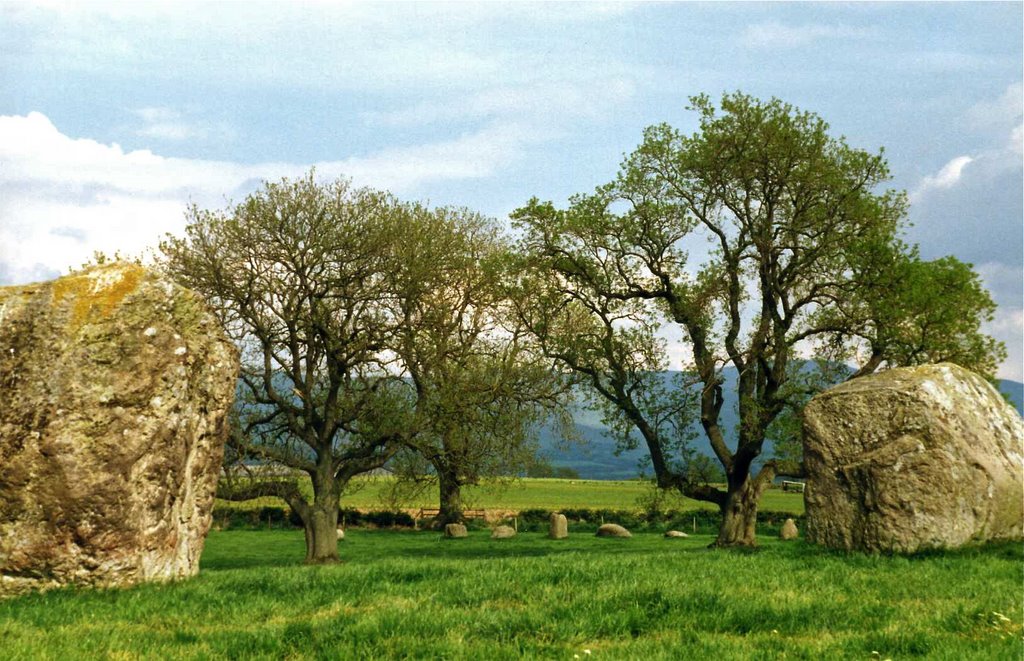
(249, 549)
(246, 549)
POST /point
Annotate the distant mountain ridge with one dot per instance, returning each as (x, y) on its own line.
(595, 459)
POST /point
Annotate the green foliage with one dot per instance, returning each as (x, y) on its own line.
(754, 240)
(482, 390)
(407, 594)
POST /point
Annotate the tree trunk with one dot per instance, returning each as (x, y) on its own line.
(451, 498)
(739, 516)
(739, 511)
(321, 523)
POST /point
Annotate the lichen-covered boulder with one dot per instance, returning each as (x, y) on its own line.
(913, 458)
(115, 386)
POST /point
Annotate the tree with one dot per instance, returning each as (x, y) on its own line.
(911, 312)
(297, 275)
(752, 240)
(481, 388)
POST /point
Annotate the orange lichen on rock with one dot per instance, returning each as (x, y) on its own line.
(95, 294)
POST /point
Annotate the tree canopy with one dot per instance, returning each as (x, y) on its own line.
(367, 325)
(753, 241)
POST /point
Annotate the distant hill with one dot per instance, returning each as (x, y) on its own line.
(595, 458)
(1015, 391)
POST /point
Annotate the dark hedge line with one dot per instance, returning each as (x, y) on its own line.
(530, 520)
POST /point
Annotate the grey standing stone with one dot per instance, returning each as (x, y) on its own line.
(789, 531)
(913, 458)
(116, 384)
(558, 528)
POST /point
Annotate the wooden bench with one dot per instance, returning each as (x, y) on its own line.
(788, 485)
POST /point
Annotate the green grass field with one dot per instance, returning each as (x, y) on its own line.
(415, 595)
(541, 493)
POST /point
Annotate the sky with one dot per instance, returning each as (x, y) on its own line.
(115, 116)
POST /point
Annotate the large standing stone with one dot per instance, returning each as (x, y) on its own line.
(115, 388)
(612, 530)
(913, 458)
(558, 527)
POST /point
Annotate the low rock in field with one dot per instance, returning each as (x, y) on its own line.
(455, 530)
(503, 532)
(612, 530)
(789, 531)
(673, 534)
(341, 534)
(115, 386)
(558, 528)
(913, 458)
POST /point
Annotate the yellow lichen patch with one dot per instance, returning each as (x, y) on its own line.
(97, 292)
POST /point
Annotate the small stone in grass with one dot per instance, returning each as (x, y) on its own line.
(612, 530)
(455, 530)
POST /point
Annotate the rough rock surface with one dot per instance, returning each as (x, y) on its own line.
(455, 530)
(912, 458)
(558, 527)
(675, 534)
(115, 387)
(612, 530)
(789, 531)
(503, 532)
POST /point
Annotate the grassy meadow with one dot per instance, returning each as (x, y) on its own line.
(416, 595)
(532, 493)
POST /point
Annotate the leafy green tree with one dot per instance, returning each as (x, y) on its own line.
(296, 273)
(481, 387)
(911, 312)
(753, 240)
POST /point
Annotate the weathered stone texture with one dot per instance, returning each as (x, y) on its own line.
(558, 526)
(612, 530)
(912, 458)
(503, 532)
(115, 385)
(455, 531)
(789, 530)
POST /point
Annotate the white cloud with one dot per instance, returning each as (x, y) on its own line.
(1008, 326)
(947, 177)
(772, 34)
(558, 101)
(1001, 113)
(168, 124)
(62, 198)
(381, 47)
